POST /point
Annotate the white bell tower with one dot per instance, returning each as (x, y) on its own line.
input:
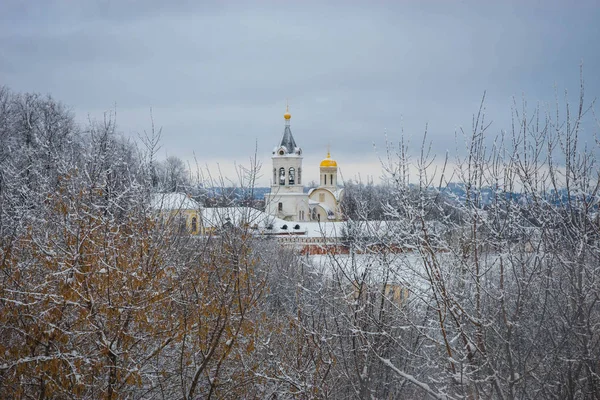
(287, 199)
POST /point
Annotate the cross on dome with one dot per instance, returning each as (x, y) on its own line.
(328, 162)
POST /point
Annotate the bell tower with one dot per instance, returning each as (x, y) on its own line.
(287, 160)
(287, 199)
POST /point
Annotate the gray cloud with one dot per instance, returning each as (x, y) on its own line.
(217, 74)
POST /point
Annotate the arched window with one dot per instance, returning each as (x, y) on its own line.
(274, 176)
(325, 177)
(299, 176)
(331, 179)
(194, 224)
(280, 207)
(292, 175)
(282, 176)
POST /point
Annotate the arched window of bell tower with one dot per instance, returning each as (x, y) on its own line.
(282, 176)
(292, 176)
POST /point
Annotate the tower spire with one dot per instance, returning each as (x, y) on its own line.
(288, 144)
(287, 114)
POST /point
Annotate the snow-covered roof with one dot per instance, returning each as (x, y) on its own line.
(288, 141)
(288, 144)
(327, 229)
(219, 216)
(269, 225)
(338, 229)
(173, 201)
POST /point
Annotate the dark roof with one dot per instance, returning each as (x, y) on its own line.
(288, 141)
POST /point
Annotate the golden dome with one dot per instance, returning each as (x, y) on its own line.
(287, 115)
(328, 162)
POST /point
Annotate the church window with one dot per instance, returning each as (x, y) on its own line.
(194, 224)
(274, 176)
(325, 177)
(331, 179)
(282, 176)
(299, 176)
(321, 197)
(280, 206)
(292, 175)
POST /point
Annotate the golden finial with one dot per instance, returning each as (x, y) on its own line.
(328, 148)
(287, 114)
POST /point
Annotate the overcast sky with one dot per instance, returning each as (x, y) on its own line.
(217, 74)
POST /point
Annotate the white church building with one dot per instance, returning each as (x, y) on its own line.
(287, 199)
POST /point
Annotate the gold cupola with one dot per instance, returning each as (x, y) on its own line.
(328, 162)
